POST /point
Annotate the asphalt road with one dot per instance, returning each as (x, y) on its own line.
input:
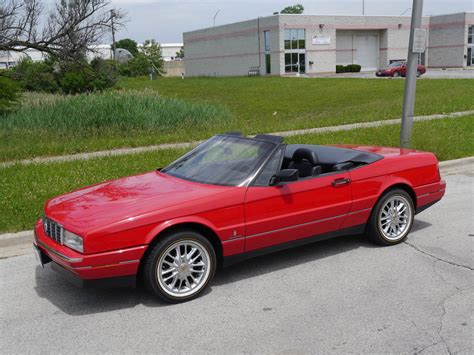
(337, 296)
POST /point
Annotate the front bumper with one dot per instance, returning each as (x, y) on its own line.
(85, 269)
(382, 74)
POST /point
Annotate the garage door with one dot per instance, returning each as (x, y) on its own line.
(367, 52)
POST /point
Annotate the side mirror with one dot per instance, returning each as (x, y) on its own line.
(285, 175)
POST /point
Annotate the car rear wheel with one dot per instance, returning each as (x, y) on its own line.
(396, 74)
(392, 218)
(180, 266)
(418, 73)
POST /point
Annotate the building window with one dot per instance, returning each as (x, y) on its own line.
(470, 56)
(295, 61)
(295, 39)
(267, 40)
(470, 35)
(268, 63)
(295, 53)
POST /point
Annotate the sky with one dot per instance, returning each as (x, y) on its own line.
(166, 20)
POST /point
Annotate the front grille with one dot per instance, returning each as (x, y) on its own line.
(53, 230)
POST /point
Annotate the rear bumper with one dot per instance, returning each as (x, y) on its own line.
(428, 195)
(85, 269)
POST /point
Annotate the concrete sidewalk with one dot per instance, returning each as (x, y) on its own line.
(126, 151)
(14, 244)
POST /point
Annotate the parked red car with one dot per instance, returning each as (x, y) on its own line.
(397, 69)
(231, 198)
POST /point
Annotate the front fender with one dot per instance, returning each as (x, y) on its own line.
(178, 221)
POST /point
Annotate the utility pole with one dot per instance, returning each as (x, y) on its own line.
(416, 45)
(112, 15)
(363, 7)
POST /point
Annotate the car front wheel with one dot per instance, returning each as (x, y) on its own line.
(180, 266)
(392, 218)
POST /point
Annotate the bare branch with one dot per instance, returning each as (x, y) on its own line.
(66, 31)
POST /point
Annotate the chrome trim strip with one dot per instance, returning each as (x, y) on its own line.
(307, 223)
(129, 261)
(62, 256)
(107, 265)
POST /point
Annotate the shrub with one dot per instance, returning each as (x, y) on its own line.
(35, 76)
(9, 94)
(136, 66)
(105, 73)
(68, 77)
(351, 68)
(354, 68)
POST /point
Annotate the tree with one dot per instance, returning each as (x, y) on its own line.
(295, 9)
(151, 51)
(65, 31)
(128, 44)
(180, 53)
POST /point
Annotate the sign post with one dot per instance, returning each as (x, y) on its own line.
(416, 45)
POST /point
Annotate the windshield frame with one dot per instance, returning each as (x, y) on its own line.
(250, 177)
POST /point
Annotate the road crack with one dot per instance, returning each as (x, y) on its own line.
(438, 258)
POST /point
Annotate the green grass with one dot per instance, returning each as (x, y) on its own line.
(49, 124)
(206, 106)
(25, 188)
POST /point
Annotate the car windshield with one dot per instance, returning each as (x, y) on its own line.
(222, 160)
(395, 64)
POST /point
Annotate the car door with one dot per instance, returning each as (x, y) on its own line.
(300, 209)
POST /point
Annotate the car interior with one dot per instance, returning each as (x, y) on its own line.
(313, 160)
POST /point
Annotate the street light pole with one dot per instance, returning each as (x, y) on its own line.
(363, 7)
(217, 12)
(410, 80)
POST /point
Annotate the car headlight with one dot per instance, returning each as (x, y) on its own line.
(73, 241)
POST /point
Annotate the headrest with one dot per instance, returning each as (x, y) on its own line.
(305, 154)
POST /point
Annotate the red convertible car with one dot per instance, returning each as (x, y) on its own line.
(399, 69)
(231, 198)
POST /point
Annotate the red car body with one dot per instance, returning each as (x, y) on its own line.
(119, 219)
(399, 69)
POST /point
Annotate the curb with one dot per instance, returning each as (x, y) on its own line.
(19, 243)
(126, 151)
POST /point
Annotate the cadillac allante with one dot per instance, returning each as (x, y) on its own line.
(231, 198)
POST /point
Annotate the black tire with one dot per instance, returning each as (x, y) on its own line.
(418, 73)
(396, 74)
(157, 251)
(374, 227)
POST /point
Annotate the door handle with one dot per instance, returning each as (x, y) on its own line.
(340, 182)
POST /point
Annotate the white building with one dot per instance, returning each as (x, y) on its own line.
(285, 44)
(104, 51)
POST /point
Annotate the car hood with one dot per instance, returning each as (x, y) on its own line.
(87, 209)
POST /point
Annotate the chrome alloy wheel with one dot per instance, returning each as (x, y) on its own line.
(183, 268)
(395, 218)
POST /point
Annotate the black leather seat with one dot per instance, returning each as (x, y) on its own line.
(306, 162)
